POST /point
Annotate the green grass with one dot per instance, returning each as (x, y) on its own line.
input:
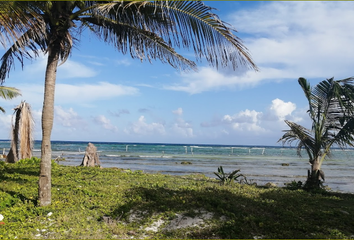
(100, 203)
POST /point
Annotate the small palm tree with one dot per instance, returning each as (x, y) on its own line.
(145, 29)
(331, 109)
(8, 93)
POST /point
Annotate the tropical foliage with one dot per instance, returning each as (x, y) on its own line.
(146, 30)
(227, 178)
(331, 110)
(111, 203)
(8, 93)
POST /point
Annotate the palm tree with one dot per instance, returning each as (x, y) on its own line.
(8, 93)
(331, 109)
(145, 29)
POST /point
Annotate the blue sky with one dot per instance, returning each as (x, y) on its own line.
(102, 95)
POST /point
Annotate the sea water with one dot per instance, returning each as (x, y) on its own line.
(260, 164)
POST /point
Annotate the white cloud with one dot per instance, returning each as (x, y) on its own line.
(124, 62)
(68, 118)
(183, 128)
(251, 122)
(312, 39)
(105, 123)
(85, 93)
(248, 120)
(178, 111)
(289, 39)
(141, 127)
(209, 79)
(281, 108)
(81, 94)
(72, 69)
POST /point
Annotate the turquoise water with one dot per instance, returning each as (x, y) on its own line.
(260, 164)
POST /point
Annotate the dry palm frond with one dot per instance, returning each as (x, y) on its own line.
(25, 131)
(22, 138)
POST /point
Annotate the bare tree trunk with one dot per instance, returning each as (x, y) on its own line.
(12, 156)
(25, 131)
(22, 139)
(91, 157)
(44, 188)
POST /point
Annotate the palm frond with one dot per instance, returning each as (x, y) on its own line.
(188, 24)
(16, 17)
(305, 85)
(345, 135)
(9, 92)
(139, 43)
(28, 46)
(196, 26)
(300, 134)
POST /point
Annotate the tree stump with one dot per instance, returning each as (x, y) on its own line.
(91, 157)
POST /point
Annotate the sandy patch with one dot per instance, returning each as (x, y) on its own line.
(181, 221)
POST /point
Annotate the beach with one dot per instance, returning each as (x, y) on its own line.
(260, 164)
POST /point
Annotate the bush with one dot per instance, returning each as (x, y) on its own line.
(294, 185)
(33, 160)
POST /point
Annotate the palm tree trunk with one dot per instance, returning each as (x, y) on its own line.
(13, 157)
(44, 190)
(315, 176)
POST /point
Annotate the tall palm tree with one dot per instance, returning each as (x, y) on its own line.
(145, 29)
(8, 93)
(331, 109)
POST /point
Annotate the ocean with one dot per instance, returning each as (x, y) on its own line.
(260, 164)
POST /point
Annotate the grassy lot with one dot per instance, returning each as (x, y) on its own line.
(114, 203)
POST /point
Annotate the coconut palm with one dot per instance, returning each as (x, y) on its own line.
(8, 93)
(331, 111)
(147, 30)
(15, 18)
(22, 134)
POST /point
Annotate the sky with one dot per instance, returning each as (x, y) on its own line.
(102, 95)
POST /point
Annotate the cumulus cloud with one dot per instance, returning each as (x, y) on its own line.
(281, 108)
(141, 127)
(105, 123)
(247, 120)
(68, 118)
(178, 111)
(183, 128)
(269, 120)
(287, 40)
